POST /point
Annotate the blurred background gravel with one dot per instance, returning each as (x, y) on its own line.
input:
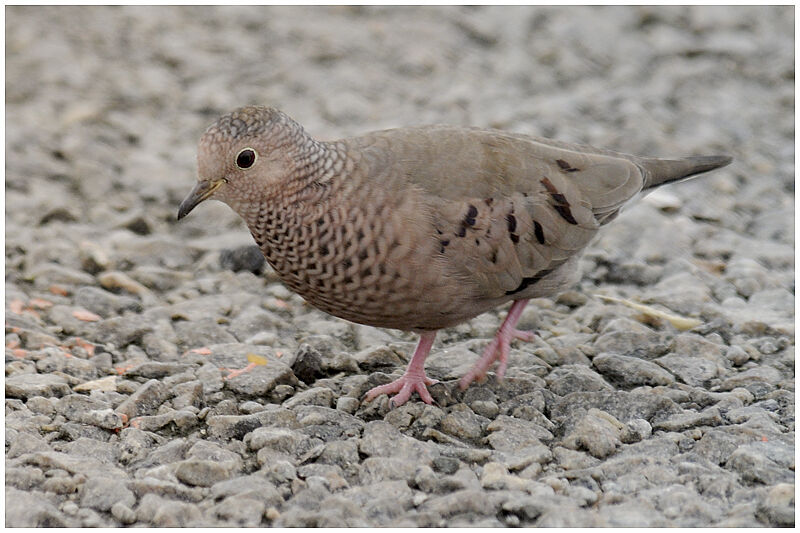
(126, 332)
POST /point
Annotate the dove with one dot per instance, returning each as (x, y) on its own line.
(421, 228)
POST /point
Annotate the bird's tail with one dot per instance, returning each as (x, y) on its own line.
(660, 171)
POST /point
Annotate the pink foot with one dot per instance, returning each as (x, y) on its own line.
(414, 378)
(498, 349)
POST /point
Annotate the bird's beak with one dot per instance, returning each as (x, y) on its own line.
(201, 191)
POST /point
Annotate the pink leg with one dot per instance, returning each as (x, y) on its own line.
(498, 349)
(414, 378)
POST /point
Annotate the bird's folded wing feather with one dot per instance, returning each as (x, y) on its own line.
(506, 208)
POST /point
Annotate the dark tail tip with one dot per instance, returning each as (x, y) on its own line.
(704, 163)
(660, 171)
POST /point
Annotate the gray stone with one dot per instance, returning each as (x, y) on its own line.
(277, 439)
(26, 442)
(377, 469)
(635, 513)
(690, 370)
(101, 493)
(203, 473)
(155, 369)
(105, 303)
(636, 430)
(145, 400)
(237, 426)
(624, 406)
(462, 423)
(163, 512)
(343, 453)
(777, 508)
(627, 337)
(754, 376)
(573, 459)
(330, 423)
(123, 513)
(32, 509)
(573, 378)
(239, 511)
(121, 330)
(29, 385)
(512, 435)
(597, 432)
(107, 452)
(631, 371)
(24, 478)
(473, 501)
(347, 404)
(253, 487)
(383, 440)
(679, 422)
(767, 462)
(261, 380)
(315, 396)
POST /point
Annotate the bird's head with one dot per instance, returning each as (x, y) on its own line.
(242, 157)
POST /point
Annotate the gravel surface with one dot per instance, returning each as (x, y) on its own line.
(157, 373)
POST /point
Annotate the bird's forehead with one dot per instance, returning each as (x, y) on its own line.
(230, 133)
(246, 122)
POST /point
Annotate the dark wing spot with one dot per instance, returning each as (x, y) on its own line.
(469, 218)
(462, 231)
(549, 186)
(514, 237)
(324, 250)
(538, 231)
(565, 213)
(511, 220)
(362, 255)
(489, 201)
(494, 257)
(560, 202)
(347, 263)
(527, 282)
(566, 167)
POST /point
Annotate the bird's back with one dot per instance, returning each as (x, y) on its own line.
(509, 212)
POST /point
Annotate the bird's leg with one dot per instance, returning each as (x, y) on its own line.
(414, 378)
(498, 349)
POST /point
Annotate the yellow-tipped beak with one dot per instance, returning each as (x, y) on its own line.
(201, 191)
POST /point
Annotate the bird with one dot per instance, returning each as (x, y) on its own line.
(421, 228)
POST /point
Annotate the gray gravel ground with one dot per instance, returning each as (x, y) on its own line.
(124, 328)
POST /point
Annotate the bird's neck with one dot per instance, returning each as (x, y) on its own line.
(315, 184)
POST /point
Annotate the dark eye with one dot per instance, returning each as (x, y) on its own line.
(246, 158)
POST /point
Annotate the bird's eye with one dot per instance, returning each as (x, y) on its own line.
(246, 158)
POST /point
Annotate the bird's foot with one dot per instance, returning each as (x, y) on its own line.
(498, 349)
(414, 378)
(404, 386)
